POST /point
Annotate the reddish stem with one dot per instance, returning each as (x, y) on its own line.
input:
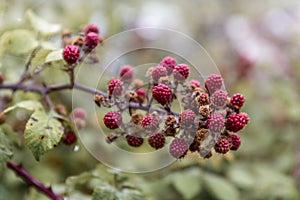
(31, 181)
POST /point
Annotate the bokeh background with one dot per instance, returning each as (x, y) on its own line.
(255, 46)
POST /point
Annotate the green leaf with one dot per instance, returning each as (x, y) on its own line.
(241, 176)
(38, 60)
(5, 150)
(42, 26)
(220, 187)
(106, 192)
(28, 105)
(42, 133)
(187, 183)
(131, 194)
(54, 56)
(17, 42)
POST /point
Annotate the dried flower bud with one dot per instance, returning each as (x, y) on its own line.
(170, 121)
(201, 134)
(111, 137)
(61, 109)
(204, 110)
(136, 118)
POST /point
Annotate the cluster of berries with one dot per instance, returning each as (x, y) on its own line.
(86, 41)
(210, 120)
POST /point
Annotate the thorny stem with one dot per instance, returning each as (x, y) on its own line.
(31, 181)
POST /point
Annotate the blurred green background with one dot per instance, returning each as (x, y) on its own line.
(254, 44)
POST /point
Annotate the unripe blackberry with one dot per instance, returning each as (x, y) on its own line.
(202, 99)
(219, 98)
(186, 118)
(222, 146)
(158, 72)
(142, 94)
(91, 28)
(69, 137)
(237, 100)
(157, 140)
(236, 122)
(162, 93)
(213, 83)
(134, 141)
(181, 72)
(169, 63)
(78, 113)
(235, 141)
(112, 119)
(246, 117)
(126, 73)
(115, 87)
(195, 83)
(71, 54)
(150, 122)
(178, 148)
(1, 78)
(215, 122)
(91, 40)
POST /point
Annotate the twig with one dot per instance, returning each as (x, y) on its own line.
(31, 181)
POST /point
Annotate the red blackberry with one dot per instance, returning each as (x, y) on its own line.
(186, 118)
(215, 122)
(157, 140)
(222, 146)
(112, 119)
(115, 87)
(236, 122)
(178, 148)
(134, 141)
(158, 72)
(213, 83)
(219, 98)
(91, 28)
(169, 63)
(150, 122)
(69, 137)
(162, 93)
(126, 73)
(237, 100)
(71, 54)
(91, 40)
(235, 141)
(195, 83)
(181, 72)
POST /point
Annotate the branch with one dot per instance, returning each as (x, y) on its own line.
(31, 181)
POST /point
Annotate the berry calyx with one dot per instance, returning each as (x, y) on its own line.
(178, 148)
(157, 140)
(91, 28)
(126, 73)
(115, 87)
(181, 72)
(219, 98)
(71, 54)
(236, 122)
(235, 141)
(222, 146)
(149, 122)
(158, 72)
(186, 118)
(162, 93)
(112, 119)
(237, 100)
(169, 63)
(213, 83)
(215, 122)
(91, 40)
(134, 141)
